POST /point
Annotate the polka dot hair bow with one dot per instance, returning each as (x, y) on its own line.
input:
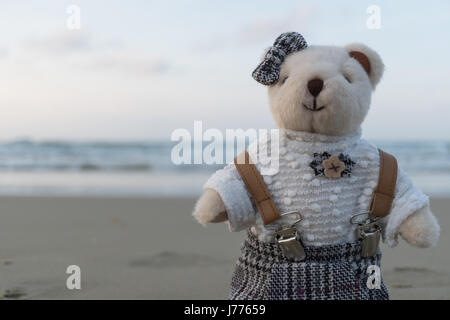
(268, 71)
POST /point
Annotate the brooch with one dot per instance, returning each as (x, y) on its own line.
(330, 166)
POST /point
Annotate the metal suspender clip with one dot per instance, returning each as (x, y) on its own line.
(369, 232)
(288, 238)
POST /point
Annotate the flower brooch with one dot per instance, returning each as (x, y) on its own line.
(333, 167)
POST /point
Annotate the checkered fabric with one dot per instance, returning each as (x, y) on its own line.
(268, 71)
(332, 272)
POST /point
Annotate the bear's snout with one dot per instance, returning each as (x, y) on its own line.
(315, 86)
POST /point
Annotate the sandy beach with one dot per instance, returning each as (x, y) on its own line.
(141, 248)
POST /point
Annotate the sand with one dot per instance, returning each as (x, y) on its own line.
(152, 249)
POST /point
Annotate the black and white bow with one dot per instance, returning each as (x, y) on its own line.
(268, 71)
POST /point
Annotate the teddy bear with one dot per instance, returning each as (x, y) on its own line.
(327, 176)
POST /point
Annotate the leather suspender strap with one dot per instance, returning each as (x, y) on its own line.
(257, 188)
(380, 205)
(383, 194)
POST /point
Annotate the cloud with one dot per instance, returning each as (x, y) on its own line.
(212, 43)
(81, 50)
(3, 52)
(128, 63)
(61, 44)
(267, 28)
(260, 31)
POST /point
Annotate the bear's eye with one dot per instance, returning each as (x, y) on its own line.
(347, 77)
(283, 80)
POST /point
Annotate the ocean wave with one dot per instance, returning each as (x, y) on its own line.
(122, 167)
(97, 156)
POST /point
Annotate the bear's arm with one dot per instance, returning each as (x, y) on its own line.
(408, 199)
(239, 208)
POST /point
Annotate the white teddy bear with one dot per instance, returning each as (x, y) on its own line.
(319, 96)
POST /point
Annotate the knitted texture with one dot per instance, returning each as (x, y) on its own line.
(268, 71)
(325, 204)
(334, 272)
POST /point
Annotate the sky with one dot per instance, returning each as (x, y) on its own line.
(138, 70)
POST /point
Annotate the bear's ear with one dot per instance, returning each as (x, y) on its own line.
(369, 60)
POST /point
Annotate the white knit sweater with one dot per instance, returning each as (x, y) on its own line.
(326, 205)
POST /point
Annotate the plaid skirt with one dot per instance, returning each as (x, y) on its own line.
(331, 272)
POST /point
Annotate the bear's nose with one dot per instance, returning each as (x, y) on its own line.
(315, 86)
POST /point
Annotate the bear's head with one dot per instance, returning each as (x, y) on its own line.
(319, 89)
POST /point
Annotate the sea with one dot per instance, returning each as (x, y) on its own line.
(146, 169)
